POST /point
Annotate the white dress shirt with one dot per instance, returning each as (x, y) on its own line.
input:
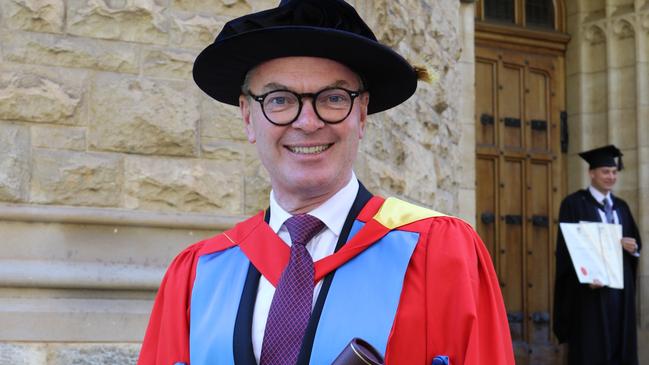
(600, 199)
(332, 213)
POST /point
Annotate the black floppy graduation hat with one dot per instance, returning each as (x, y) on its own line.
(603, 156)
(317, 28)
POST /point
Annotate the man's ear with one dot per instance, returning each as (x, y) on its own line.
(364, 101)
(245, 108)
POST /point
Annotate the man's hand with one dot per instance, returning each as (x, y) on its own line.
(596, 284)
(629, 244)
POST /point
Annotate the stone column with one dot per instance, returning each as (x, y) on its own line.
(587, 86)
(642, 107)
(622, 102)
(467, 114)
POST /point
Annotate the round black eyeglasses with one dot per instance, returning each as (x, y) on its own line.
(282, 107)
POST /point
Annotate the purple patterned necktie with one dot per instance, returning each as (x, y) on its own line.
(290, 309)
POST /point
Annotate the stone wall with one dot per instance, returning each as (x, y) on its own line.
(608, 103)
(112, 160)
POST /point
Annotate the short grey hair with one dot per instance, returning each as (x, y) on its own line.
(245, 86)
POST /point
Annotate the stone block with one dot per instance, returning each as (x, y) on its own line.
(467, 206)
(594, 92)
(14, 162)
(466, 165)
(446, 202)
(643, 83)
(168, 63)
(93, 353)
(112, 251)
(385, 144)
(231, 8)
(228, 151)
(220, 120)
(380, 178)
(41, 96)
(467, 27)
(573, 94)
(256, 183)
(643, 126)
(622, 88)
(588, 6)
(592, 128)
(23, 353)
(575, 125)
(466, 102)
(34, 15)
(423, 120)
(31, 353)
(155, 117)
(594, 58)
(75, 178)
(642, 52)
(578, 179)
(194, 30)
(624, 131)
(73, 316)
(59, 50)
(627, 179)
(623, 52)
(183, 185)
(64, 138)
(128, 20)
(425, 174)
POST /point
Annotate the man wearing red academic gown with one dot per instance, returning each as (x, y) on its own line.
(449, 304)
(417, 285)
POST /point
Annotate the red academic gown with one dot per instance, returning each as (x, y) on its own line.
(450, 304)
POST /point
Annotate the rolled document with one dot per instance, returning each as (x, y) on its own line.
(358, 352)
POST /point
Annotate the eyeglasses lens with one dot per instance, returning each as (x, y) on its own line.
(331, 105)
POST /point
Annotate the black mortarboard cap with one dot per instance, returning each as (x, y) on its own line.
(603, 156)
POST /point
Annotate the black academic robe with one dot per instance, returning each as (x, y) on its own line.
(599, 325)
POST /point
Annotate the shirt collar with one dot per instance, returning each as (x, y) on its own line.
(599, 196)
(332, 212)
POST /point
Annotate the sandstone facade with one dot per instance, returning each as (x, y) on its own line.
(112, 160)
(608, 103)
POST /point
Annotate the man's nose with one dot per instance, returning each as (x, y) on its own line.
(308, 119)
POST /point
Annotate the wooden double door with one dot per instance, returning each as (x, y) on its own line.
(519, 103)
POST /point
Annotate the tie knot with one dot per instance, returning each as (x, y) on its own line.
(302, 228)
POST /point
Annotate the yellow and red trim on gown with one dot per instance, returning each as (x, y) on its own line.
(450, 302)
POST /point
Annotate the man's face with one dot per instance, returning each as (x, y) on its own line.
(308, 158)
(603, 178)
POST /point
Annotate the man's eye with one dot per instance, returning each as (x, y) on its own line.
(333, 98)
(280, 100)
(336, 99)
(277, 100)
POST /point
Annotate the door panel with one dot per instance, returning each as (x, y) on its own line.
(537, 105)
(511, 243)
(485, 104)
(510, 84)
(539, 249)
(487, 195)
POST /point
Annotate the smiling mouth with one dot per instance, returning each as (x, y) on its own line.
(310, 150)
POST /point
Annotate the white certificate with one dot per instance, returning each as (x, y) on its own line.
(596, 252)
